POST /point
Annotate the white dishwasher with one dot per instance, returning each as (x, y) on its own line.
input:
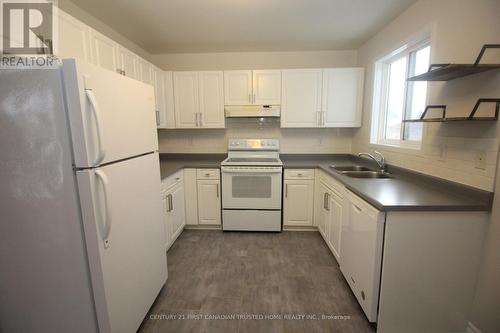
(362, 241)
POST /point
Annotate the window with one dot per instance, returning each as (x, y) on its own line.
(396, 99)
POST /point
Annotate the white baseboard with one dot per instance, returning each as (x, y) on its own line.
(203, 227)
(471, 328)
(299, 228)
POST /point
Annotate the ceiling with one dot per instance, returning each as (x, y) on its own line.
(178, 26)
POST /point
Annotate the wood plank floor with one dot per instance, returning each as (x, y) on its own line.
(215, 275)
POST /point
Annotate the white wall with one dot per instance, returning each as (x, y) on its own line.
(459, 28)
(292, 140)
(254, 60)
(485, 312)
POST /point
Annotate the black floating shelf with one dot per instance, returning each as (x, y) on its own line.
(444, 119)
(447, 72)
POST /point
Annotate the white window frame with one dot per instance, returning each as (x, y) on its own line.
(381, 86)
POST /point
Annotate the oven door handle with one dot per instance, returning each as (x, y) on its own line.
(231, 170)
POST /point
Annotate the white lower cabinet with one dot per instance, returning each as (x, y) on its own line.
(202, 196)
(330, 212)
(298, 201)
(175, 218)
(209, 205)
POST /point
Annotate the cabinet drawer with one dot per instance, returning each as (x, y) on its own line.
(299, 173)
(172, 180)
(208, 173)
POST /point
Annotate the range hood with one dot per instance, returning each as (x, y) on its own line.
(252, 111)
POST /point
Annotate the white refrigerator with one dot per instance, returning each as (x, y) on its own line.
(81, 232)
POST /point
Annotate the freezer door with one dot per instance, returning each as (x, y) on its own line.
(122, 219)
(112, 117)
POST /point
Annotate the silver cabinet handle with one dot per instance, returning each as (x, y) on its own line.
(357, 208)
(170, 203)
(299, 175)
(326, 204)
(98, 124)
(196, 119)
(157, 118)
(201, 119)
(286, 190)
(207, 174)
(107, 216)
(217, 191)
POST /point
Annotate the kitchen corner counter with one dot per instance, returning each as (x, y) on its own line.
(171, 163)
(404, 191)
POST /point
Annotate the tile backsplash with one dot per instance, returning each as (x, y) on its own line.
(295, 140)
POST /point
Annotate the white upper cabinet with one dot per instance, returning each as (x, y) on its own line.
(74, 38)
(186, 99)
(267, 87)
(127, 63)
(238, 87)
(159, 87)
(211, 90)
(301, 97)
(104, 51)
(199, 99)
(145, 71)
(329, 97)
(169, 114)
(259, 87)
(343, 97)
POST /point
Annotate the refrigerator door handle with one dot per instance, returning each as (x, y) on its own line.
(107, 217)
(98, 122)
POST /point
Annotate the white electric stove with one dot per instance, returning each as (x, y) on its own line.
(251, 185)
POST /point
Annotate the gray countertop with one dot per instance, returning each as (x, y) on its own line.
(404, 191)
(171, 163)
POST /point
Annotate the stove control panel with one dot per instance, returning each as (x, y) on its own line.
(254, 144)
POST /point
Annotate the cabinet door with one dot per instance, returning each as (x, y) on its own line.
(104, 51)
(74, 38)
(177, 210)
(159, 86)
(301, 97)
(237, 87)
(335, 223)
(169, 113)
(127, 62)
(167, 219)
(298, 202)
(342, 97)
(145, 71)
(191, 196)
(211, 89)
(209, 207)
(186, 99)
(267, 87)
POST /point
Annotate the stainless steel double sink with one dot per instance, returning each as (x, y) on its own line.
(358, 171)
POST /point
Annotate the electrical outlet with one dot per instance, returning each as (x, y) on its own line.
(481, 160)
(442, 153)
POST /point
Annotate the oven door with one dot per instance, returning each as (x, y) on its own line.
(251, 187)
